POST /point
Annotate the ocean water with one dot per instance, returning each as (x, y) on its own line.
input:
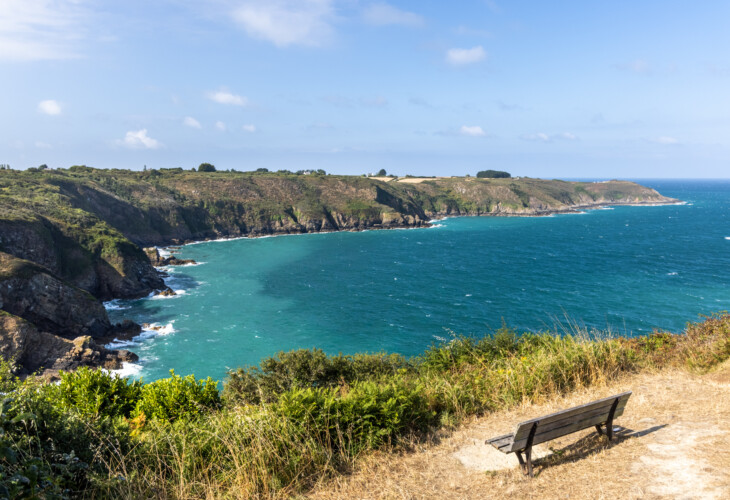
(629, 270)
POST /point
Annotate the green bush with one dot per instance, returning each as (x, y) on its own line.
(97, 394)
(493, 174)
(178, 398)
(304, 368)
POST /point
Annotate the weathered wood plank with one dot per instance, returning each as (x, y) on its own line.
(577, 409)
(523, 429)
(500, 442)
(559, 432)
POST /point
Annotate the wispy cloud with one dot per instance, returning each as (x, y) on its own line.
(191, 122)
(287, 22)
(138, 139)
(226, 97)
(418, 101)
(543, 137)
(49, 107)
(220, 126)
(383, 14)
(37, 30)
(472, 131)
(249, 128)
(374, 102)
(461, 57)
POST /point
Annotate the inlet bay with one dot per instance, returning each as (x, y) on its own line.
(625, 269)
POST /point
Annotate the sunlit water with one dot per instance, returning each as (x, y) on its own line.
(627, 269)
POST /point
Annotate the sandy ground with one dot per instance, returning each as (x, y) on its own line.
(673, 442)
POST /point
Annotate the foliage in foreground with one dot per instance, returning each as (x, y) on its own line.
(298, 417)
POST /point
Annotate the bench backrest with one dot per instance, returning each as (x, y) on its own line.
(568, 421)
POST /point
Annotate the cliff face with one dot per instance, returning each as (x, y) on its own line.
(31, 292)
(70, 238)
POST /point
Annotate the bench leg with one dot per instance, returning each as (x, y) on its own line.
(526, 463)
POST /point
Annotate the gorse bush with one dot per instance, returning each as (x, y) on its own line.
(178, 398)
(97, 394)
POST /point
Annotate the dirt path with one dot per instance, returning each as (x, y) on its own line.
(674, 443)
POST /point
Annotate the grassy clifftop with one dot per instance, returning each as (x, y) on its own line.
(301, 417)
(109, 207)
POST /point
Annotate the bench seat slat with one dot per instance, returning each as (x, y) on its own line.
(523, 429)
(577, 409)
(502, 443)
(559, 432)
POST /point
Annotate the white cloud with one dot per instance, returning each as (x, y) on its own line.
(36, 30)
(287, 22)
(225, 97)
(49, 107)
(138, 139)
(666, 140)
(543, 137)
(249, 128)
(220, 126)
(538, 137)
(472, 131)
(382, 14)
(191, 122)
(42, 145)
(460, 57)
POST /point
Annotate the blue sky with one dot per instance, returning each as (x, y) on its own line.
(620, 89)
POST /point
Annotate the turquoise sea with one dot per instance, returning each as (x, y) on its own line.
(629, 270)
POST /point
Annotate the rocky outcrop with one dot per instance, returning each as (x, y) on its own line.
(34, 351)
(113, 269)
(33, 293)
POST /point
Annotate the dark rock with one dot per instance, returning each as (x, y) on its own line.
(34, 351)
(33, 293)
(167, 292)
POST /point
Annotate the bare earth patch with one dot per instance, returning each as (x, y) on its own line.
(674, 442)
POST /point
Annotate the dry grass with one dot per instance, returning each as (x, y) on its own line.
(674, 443)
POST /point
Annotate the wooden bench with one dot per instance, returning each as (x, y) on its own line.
(539, 430)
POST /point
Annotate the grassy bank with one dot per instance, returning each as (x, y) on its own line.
(299, 417)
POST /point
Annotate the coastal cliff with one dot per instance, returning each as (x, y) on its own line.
(72, 238)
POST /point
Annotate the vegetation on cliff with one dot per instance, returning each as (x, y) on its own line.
(80, 229)
(300, 417)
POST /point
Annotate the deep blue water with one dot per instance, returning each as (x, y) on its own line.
(629, 270)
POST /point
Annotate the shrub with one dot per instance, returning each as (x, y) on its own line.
(306, 368)
(96, 393)
(178, 398)
(493, 174)
(206, 167)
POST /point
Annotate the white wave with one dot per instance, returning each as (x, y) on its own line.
(128, 370)
(156, 329)
(672, 274)
(114, 305)
(727, 237)
(119, 344)
(437, 225)
(178, 293)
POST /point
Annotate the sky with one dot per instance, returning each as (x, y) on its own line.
(620, 89)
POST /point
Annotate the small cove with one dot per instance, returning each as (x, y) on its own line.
(626, 269)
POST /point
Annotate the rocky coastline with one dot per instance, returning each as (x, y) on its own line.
(57, 265)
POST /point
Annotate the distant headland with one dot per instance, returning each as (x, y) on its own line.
(71, 238)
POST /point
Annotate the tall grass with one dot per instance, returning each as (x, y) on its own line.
(302, 417)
